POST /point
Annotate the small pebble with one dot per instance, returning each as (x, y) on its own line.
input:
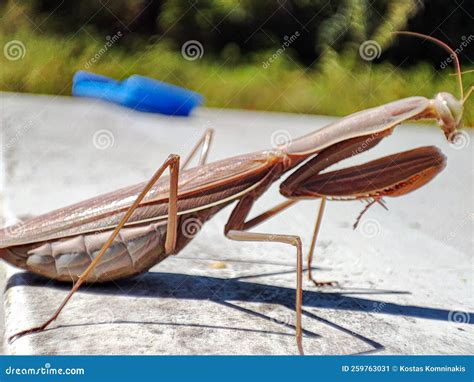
(217, 265)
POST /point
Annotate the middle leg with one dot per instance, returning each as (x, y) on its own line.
(317, 226)
(236, 229)
(280, 208)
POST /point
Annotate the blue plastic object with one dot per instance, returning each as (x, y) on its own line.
(137, 92)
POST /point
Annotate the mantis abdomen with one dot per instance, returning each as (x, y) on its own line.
(134, 251)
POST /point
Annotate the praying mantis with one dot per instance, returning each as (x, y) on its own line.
(126, 232)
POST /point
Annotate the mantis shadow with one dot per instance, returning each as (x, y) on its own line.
(192, 287)
(228, 291)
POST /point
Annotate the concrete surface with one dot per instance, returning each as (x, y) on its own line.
(406, 275)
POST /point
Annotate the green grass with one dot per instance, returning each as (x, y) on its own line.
(338, 85)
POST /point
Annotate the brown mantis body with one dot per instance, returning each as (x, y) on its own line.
(126, 232)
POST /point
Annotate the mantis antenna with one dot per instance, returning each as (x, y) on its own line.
(471, 88)
(446, 47)
(469, 92)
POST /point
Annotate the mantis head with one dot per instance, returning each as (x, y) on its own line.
(448, 110)
(445, 107)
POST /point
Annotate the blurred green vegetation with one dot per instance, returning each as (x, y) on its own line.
(340, 83)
